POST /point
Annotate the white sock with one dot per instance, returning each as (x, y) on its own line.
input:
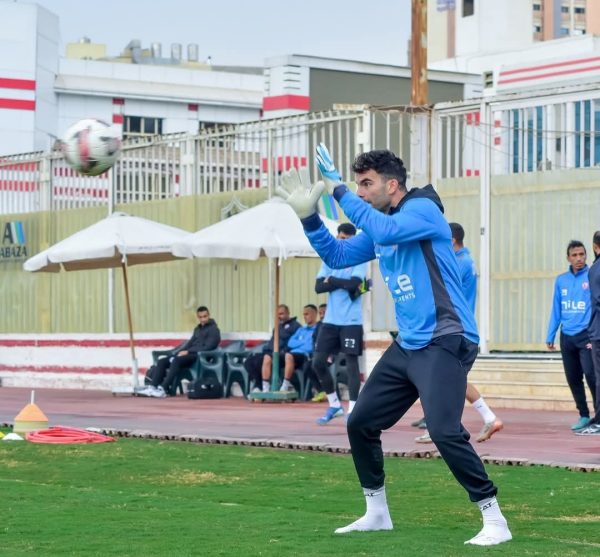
(334, 401)
(377, 516)
(495, 528)
(351, 404)
(266, 386)
(285, 385)
(484, 410)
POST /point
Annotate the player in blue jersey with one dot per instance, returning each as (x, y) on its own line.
(571, 311)
(594, 332)
(342, 330)
(468, 278)
(437, 336)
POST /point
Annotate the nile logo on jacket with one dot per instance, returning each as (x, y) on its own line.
(405, 290)
(13, 241)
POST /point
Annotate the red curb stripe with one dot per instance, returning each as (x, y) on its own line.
(67, 369)
(64, 343)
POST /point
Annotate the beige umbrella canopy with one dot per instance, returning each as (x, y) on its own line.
(119, 240)
(270, 229)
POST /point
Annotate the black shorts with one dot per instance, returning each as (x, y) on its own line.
(299, 359)
(333, 339)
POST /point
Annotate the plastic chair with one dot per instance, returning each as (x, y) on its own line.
(236, 372)
(305, 380)
(212, 362)
(235, 346)
(157, 354)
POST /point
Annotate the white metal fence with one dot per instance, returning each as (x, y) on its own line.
(230, 158)
(558, 130)
(506, 153)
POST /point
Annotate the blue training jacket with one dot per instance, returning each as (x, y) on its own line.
(594, 277)
(416, 259)
(301, 342)
(571, 308)
(468, 276)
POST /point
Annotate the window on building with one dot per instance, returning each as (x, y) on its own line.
(564, 9)
(468, 8)
(564, 31)
(580, 10)
(537, 28)
(578, 31)
(141, 125)
(537, 8)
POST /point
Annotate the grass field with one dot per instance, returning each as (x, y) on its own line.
(153, 498)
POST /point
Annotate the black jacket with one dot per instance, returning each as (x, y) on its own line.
(204, 337)
(594, 280)
(286, 330)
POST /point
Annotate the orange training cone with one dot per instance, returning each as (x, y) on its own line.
(31, 418)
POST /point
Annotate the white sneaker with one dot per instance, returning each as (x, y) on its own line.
(253, 391)
(158, 392)
(144, 391)
(491, 534)
(368, 523)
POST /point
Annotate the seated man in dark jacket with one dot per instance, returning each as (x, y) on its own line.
(258, 366)
(206, 336)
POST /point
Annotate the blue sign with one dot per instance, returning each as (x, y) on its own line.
(13, 241)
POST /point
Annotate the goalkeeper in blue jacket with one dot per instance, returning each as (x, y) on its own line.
(437, 342)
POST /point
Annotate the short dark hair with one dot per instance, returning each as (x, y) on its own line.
(311, 306)
(575, 244)
(202, 308)
(322, 305)
(383, 162)
(284, 306)
(596, 238)
(458, 232)
(347, 228)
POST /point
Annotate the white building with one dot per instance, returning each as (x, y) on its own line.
(42, 93)
(145, 91)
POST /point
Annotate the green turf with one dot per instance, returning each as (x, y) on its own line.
(152, 498)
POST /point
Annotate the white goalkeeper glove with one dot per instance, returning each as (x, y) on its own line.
(327, 168)
(298, 193)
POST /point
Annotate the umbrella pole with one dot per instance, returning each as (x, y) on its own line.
(275, 367)
(134, 363)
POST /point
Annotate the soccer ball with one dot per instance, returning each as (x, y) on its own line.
(91, 146)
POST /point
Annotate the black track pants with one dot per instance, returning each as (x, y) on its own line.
(437, 374)
(577, 362)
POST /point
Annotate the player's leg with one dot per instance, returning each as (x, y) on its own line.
(351, 340)
(574, 376)
(440, 373)
(267, 364)
(327, 343)
(178, 363)
(491, 423)
(587, 364)
(385, 398)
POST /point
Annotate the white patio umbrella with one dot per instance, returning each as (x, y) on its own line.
(270, 229)
(119, 240)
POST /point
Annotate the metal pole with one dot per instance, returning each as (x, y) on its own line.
(275, 368)
(134, 366)
(485, 224)
(418, 53)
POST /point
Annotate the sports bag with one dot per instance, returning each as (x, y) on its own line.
(205, 388)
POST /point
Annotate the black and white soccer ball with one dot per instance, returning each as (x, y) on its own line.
(91, 146)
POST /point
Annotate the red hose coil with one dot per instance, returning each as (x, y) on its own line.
(63, 435)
